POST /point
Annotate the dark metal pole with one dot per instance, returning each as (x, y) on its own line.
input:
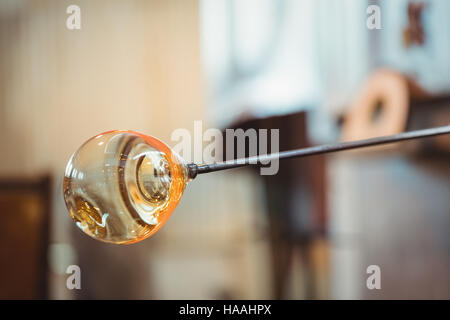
(205, 168)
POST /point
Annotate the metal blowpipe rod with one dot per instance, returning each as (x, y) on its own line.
(328, 148)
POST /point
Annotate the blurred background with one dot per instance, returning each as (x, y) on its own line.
(320, 71)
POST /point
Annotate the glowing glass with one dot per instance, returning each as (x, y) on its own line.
(122, 186)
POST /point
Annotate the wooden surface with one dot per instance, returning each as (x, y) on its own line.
(24, 224)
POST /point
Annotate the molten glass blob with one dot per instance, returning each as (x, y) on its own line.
(122, 186)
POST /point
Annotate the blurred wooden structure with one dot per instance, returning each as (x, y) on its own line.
(24, 235)
(295, 199)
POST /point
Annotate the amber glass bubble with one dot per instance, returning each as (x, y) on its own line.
(122, 186)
